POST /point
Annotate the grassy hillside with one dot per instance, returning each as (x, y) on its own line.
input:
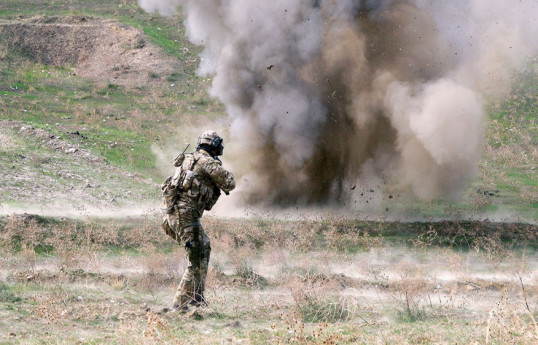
(120, 123)
(117, 122)
(510, 159)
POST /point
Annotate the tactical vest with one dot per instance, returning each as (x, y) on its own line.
(190, 185)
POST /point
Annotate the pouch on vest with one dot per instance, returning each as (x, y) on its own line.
(187, 180)
(210, 196)
(182, 181)
(179, 160)
(194, 189)
(190, 183)
(171, 187)
(168, 195)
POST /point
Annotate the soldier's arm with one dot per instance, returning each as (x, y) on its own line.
(222, 177)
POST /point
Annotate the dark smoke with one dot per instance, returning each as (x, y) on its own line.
(324, 95)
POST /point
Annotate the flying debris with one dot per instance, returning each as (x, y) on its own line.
(369, 88)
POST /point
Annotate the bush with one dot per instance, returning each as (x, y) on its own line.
(324, 310)
(6, 296)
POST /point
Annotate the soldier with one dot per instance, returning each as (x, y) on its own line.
(195, 187)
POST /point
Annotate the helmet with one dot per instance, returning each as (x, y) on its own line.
(212, 139)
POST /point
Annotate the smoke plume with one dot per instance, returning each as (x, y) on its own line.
(325, 94)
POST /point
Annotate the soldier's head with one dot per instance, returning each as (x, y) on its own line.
(211, 142)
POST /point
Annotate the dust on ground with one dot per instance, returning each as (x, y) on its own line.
(385, 292)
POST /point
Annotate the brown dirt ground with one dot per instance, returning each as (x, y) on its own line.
(101, 49)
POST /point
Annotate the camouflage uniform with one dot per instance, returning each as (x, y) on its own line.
(182, 221)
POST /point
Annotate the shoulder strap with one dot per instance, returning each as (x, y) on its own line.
(195, 160)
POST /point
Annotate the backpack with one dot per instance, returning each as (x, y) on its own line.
(181, 181)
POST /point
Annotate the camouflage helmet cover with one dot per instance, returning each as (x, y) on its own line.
(212, 139)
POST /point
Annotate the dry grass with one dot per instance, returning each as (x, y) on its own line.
(343, 282)
(508, 324)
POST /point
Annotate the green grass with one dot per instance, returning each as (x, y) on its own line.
(121, 124)
(53, 97)
(102, 114)
(7, 295)
(157, 36)
(512, 137)
(526, 179)
(168, 33)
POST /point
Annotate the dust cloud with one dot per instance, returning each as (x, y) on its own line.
(146, 209)
(324, 95)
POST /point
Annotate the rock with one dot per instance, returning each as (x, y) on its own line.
(487, 192)
(71, 150)
(235, 324)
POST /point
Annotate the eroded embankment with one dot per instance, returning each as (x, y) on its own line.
(98, 48)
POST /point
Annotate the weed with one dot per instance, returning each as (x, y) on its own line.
(411, 291)
(506, 326)
(389, 299)
(315, 303)
(296, 332)
(7, 296)
(157, 327)
(251, 278)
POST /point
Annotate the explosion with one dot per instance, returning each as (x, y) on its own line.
(324, 95)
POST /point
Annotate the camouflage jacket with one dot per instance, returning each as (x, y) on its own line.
(199, 180)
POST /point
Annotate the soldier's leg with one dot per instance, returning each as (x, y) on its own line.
(187, 287)
(204, 264)
(186, 290)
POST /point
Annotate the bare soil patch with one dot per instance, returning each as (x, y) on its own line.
(101, 49)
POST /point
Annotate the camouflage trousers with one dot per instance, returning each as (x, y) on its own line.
(184, 226)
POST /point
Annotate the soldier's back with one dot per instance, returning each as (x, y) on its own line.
(200, 190)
